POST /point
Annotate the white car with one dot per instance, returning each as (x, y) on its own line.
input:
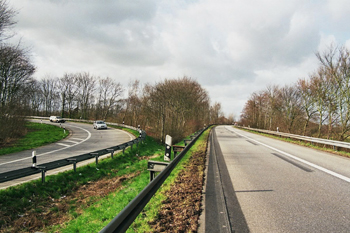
(57, 119)
(100, 125)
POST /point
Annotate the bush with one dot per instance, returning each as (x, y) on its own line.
(12, 127)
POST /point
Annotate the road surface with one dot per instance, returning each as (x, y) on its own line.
(82, 139)
(259, 184)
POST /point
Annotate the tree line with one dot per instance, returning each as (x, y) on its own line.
(176, 107)
(15, 71)
(318, 105)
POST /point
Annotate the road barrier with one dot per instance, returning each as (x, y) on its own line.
(42, 168)
(335, 145)
(126, 217)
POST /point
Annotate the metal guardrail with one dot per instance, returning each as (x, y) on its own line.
(332, 143)
(124, 219)
(42, 168)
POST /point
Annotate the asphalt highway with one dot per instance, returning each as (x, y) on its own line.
(259, 184)
(82, 139)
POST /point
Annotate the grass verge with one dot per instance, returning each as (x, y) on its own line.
(67, 198)
(176, 205)
(86, 200)
(37, 135)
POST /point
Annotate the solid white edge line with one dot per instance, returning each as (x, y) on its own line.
(347, 179)
(88, 137)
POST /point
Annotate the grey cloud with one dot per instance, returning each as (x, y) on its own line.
(234, 45)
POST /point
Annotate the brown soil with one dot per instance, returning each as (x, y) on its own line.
(181, 211)
(57, 211)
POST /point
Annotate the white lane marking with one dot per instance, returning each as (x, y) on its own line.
(347, 179)
(61, 144)
(50, 152)
(79, 139)
(75, 142)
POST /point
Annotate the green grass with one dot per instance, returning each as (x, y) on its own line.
(99, 212)
(38, 135)
(17, 200)
(134, 132)
(95, 217)
(151, 210)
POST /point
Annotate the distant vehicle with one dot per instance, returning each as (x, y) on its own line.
(100, 125)
(57, 119)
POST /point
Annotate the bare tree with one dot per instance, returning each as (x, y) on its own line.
(175, 107)
(272, 105)
(290, 106)
(6, 20)
(69, 91)
(307, 96)
(87, 88)
(108, 94)
(15, 71)
(32, 97)
(343, 95)
(48, 89)
(15, 74)
(132, 103)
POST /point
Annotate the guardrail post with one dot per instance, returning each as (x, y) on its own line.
(187, 141)
(111, 151)
(155, 166)
(43, 171)
(177, 149)
(74, 164)
(96, 157)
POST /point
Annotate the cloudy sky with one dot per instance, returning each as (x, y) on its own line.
(232, 48)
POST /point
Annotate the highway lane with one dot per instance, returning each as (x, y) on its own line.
(82, 139)
(274, 186)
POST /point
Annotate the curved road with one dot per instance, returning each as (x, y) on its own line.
(82, 139)
(259, 184)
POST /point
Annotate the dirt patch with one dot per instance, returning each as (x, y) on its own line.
(58, 211)
(181, 211)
